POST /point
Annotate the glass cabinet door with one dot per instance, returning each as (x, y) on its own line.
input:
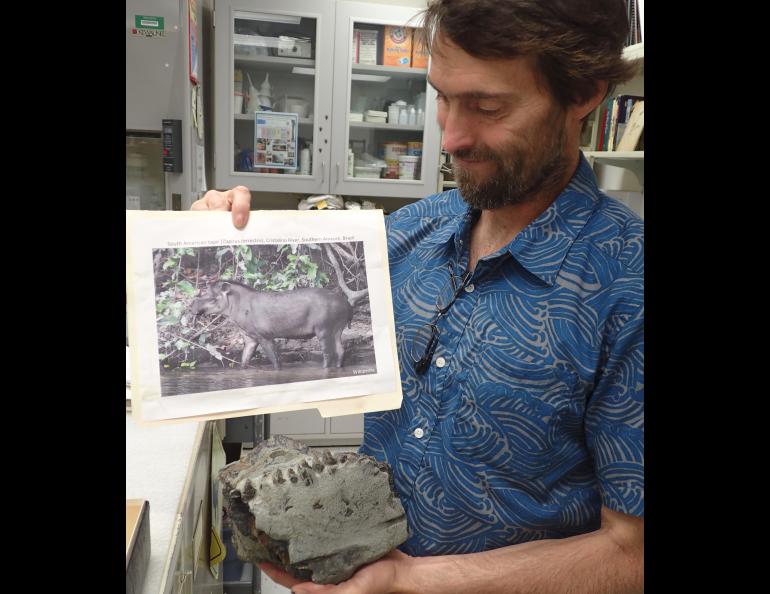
(390, 144)
(278, 95)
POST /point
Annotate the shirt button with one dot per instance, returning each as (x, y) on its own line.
(418, 433)
(440, 362)
(469, 288)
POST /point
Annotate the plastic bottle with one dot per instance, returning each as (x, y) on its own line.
(420, 117)
(403, 117)
(412, 116)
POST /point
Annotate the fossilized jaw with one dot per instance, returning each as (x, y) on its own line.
(315, 514)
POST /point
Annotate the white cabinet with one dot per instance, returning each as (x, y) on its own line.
(309, 427)
(252, 70)
(360, 88)
(298, 57)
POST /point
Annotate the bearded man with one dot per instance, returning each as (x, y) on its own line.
(518, 299)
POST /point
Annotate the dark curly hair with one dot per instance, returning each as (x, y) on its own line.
(575, 44)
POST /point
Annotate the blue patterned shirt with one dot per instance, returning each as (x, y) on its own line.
(530, 416)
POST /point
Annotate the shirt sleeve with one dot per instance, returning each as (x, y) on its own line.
(615, 419)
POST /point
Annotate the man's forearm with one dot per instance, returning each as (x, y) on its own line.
(609, 560)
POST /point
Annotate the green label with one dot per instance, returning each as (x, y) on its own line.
(148, 22)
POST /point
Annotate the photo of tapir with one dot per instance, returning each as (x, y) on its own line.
(249, 315)
(263, 316)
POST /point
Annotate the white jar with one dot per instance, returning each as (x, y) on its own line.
(403, 117)
(393, 112)
(407, 166)
(412, 116)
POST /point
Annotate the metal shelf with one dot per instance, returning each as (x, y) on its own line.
(378, 126)
(392, 71)
(610, 156)
(633, 160)
(274, 63)
(247, 117)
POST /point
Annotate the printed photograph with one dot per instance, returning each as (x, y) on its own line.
(238, 316)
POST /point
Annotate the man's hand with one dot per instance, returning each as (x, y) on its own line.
(237, 200)
(376, 578)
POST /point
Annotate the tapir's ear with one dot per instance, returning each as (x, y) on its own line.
(225, 287)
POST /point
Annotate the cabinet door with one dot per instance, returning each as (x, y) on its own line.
(374, 69)
(276, 57)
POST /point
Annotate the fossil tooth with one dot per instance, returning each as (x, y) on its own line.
(318, 526)
(248, 491)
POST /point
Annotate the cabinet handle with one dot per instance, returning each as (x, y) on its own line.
(323, 171)
(336, 181)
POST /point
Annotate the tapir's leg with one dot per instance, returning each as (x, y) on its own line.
(249, 345)
(327, 348)
(339, 348)
(268, 346)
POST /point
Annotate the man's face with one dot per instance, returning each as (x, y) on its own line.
(506, 135)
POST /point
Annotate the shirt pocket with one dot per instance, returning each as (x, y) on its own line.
(513, 435)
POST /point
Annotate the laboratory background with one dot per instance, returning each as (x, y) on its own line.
(311, 104)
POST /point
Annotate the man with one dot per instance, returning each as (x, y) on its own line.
(518, 449)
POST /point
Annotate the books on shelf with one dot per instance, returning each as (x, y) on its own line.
(604, 125)
(614, 116)
(625, 105)
(633, 129)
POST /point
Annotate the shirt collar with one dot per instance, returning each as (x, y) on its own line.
(543, 244)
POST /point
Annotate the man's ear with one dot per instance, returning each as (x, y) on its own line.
(581, 110)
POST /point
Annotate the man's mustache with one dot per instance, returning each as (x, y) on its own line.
(475, 155)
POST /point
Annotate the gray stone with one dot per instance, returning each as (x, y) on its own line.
(317, 515)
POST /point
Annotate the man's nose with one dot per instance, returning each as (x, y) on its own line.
(458, 130)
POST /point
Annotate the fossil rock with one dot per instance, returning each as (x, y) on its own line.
(317, 515)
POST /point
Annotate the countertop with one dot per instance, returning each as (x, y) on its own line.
(157, 463)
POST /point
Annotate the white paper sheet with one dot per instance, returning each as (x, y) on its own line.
(340, 391)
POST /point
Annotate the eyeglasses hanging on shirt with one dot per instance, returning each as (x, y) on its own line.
(425, 339)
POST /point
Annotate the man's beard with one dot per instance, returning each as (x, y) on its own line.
(522, 173)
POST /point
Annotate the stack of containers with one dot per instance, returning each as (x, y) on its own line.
(379, 117)
(409, 164)
(392, 151)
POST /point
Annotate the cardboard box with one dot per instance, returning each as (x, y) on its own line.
(367, 46)
(137, 543)
(419, 53)
(356, 40)
(397, 47)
